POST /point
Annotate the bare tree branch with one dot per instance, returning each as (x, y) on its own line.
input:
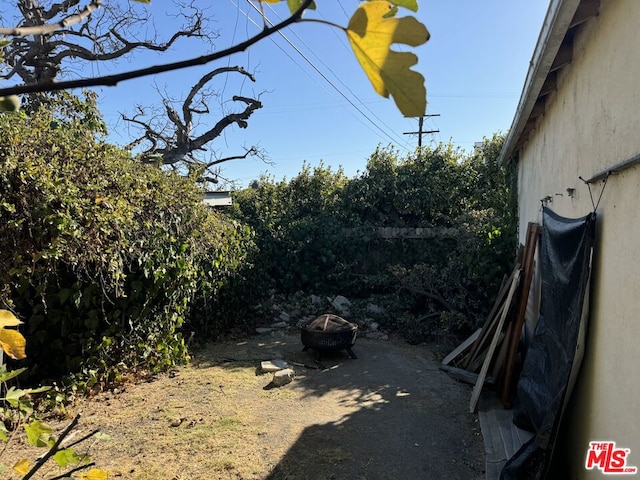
(181, 150)
(54, 448)
(150, 134)
(173, 137)
(73, 470)
(106, 34)
(251, 151)
(432, 295)
(112, 80)
(50, 28)
(58, 8)
(187, 108)
(175, 140)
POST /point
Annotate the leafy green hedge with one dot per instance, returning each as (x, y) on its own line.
(317, 233)
(102, 257)
(300, 230)
(109, 262)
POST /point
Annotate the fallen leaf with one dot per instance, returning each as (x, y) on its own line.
(22, 466)
(95, 474)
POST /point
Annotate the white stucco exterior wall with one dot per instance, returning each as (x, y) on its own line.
(592, 122)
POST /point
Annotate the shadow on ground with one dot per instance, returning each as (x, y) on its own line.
(389, 414)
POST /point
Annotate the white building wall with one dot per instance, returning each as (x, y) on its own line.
(591, 123)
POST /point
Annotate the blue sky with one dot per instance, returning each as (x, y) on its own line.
(319, 105)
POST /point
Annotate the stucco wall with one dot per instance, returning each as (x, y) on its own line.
(592, 122)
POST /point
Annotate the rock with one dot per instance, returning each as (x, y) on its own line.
(279, 325)
(285, 317)
(341, 304)
(315, 299)
(263, 330)
(282, 377)
(375, 309)
(374, 326)
(273, 365)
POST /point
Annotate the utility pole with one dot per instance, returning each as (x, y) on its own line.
(422, 132)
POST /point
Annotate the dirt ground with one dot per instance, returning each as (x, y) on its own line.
(389, 414)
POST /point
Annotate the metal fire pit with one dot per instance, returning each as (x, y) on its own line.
(329, 332)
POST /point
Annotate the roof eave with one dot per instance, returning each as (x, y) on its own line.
(556, 24)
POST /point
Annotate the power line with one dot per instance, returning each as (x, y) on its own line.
(422, 132)
(233, 40)
(295, 62)
(274, 42)
(337, 77)
(339, 2)
(324, 77)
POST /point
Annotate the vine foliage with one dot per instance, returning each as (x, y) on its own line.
(103, 257)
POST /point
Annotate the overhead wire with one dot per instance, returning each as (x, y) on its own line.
(404, 143)
(296, 63)
(306, 72)
(324, 77)
(397, 140)
(275, 43)
(226, 77)
(346, 15)
(233, 40)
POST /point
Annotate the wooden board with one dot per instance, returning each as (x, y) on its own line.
(528, 264)
(488, 327)
(487, 360)
(501, 358)
(460, 374)
(461, 348)
(477, 363)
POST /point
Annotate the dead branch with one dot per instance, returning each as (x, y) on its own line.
(112, 80)
(72, 471)
(39, 54)
(180, 151)
(173, 139)
(187, 107)
(54, 448)
(435, 296)
(47, 29)
(251, 151)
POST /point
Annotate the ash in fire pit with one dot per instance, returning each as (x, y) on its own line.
(329, 332)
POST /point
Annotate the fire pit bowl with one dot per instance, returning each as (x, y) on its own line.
(329, 332)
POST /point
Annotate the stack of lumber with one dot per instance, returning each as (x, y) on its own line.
(489, 355)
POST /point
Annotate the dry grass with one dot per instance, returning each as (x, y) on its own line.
(214, 420)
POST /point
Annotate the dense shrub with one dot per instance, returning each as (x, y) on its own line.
(109, 261)
(422, 190)
(317, 232)
(102, 257)
(301, 230)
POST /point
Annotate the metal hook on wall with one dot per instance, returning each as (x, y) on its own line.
(604, 184)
